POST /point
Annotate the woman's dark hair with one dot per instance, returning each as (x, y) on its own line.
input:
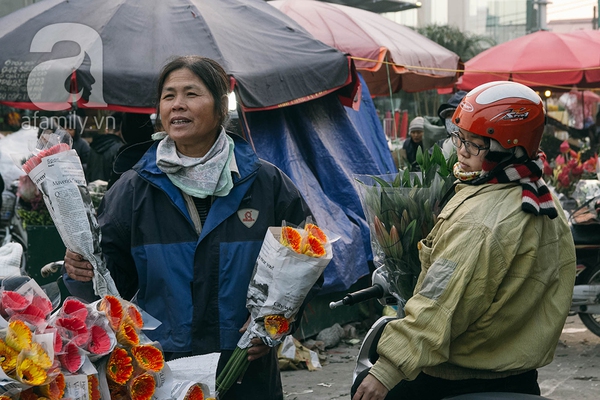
(208, 71)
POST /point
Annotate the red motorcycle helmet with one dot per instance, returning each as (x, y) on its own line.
(508, 112)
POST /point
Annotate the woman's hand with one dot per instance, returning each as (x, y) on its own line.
(370, 389)
(77, 267)
(257, 349)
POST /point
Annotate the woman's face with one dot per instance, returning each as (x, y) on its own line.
(187, 112)
(416, 136)
(469, 162)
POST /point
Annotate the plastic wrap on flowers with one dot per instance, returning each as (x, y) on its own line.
(99, 345)
(401, 209)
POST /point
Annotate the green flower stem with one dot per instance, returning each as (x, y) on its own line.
(235, 368)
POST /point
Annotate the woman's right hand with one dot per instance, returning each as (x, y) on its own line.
(77, 267)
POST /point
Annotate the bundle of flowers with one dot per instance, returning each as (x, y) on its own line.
(401, 209)
(290, 262)
(568, 168)
(58, 174)
(53, 354)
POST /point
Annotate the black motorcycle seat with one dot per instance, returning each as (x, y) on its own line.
(588, 234)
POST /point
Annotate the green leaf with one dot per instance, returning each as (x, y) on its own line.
(381, 182)
(419, 158)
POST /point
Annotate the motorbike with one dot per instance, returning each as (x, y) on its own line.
(11, 228)
(585, 227)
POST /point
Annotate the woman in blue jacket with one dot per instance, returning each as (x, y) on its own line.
(182, 230)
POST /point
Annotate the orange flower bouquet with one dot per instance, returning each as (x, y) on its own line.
(133, 368)
(290, 262)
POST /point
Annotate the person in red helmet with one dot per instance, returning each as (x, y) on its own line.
(498, 268)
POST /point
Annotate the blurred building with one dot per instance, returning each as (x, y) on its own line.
(8, 6)
(502, 20)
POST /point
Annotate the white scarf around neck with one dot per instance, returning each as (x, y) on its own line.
(201, 177)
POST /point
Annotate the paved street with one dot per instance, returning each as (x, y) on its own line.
(573, 375)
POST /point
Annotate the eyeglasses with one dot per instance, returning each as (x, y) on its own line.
(471, 147)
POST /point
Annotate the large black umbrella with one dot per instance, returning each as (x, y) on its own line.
(108, 53)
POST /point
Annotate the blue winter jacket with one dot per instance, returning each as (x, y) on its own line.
(195, 285)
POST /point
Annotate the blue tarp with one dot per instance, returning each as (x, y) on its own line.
(321, 145)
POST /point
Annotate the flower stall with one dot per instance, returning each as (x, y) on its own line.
(81, 351)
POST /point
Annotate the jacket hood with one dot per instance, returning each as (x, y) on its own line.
(104, 142)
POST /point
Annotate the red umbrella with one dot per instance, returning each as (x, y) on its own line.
(539, 60)
(415, 62)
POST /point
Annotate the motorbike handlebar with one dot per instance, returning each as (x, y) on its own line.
(374, 292)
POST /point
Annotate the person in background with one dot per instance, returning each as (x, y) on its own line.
(136, 131)
(75, 127)
(1, 189)
(445, 112)
(497, 269)
(103, 151)
(181, 231)
(594, 133)
(410, 145)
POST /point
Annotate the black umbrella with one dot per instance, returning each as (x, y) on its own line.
(108, 53)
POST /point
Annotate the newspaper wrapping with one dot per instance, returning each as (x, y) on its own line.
(280, 282)
(61, 180)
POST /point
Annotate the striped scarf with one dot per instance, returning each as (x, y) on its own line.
(537, 199)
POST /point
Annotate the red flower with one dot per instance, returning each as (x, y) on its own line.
(75, 309)
(577, 171)
(134, 317)
(55, 390)
(74, 329)
(276, 325)
(563, 179)
(93, 387)
(291, 238)
(127, 335)
(547, 169)
(43, 304)
(28, 394)
(590, 164)
(194, 393)
(564, 147)
(72, 359)
(148, 357)
(119, 367)
(99, 341)
(114, 310)
(14, 301)
(142, 387)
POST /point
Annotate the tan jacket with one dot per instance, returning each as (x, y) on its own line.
(493, 294)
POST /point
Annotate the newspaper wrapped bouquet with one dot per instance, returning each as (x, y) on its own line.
(57, 172)
(288, 265)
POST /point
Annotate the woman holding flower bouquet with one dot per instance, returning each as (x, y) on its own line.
(182, 230)
(498, 267)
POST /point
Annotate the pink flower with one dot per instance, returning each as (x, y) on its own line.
(577, 171)
(564, 147)
(563, 179)
(547, 169)
(560, 160)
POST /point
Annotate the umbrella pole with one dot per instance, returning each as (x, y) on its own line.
(387, 69)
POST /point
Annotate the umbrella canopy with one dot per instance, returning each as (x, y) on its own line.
(415, 62)
(110, 52)
(539, 60)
